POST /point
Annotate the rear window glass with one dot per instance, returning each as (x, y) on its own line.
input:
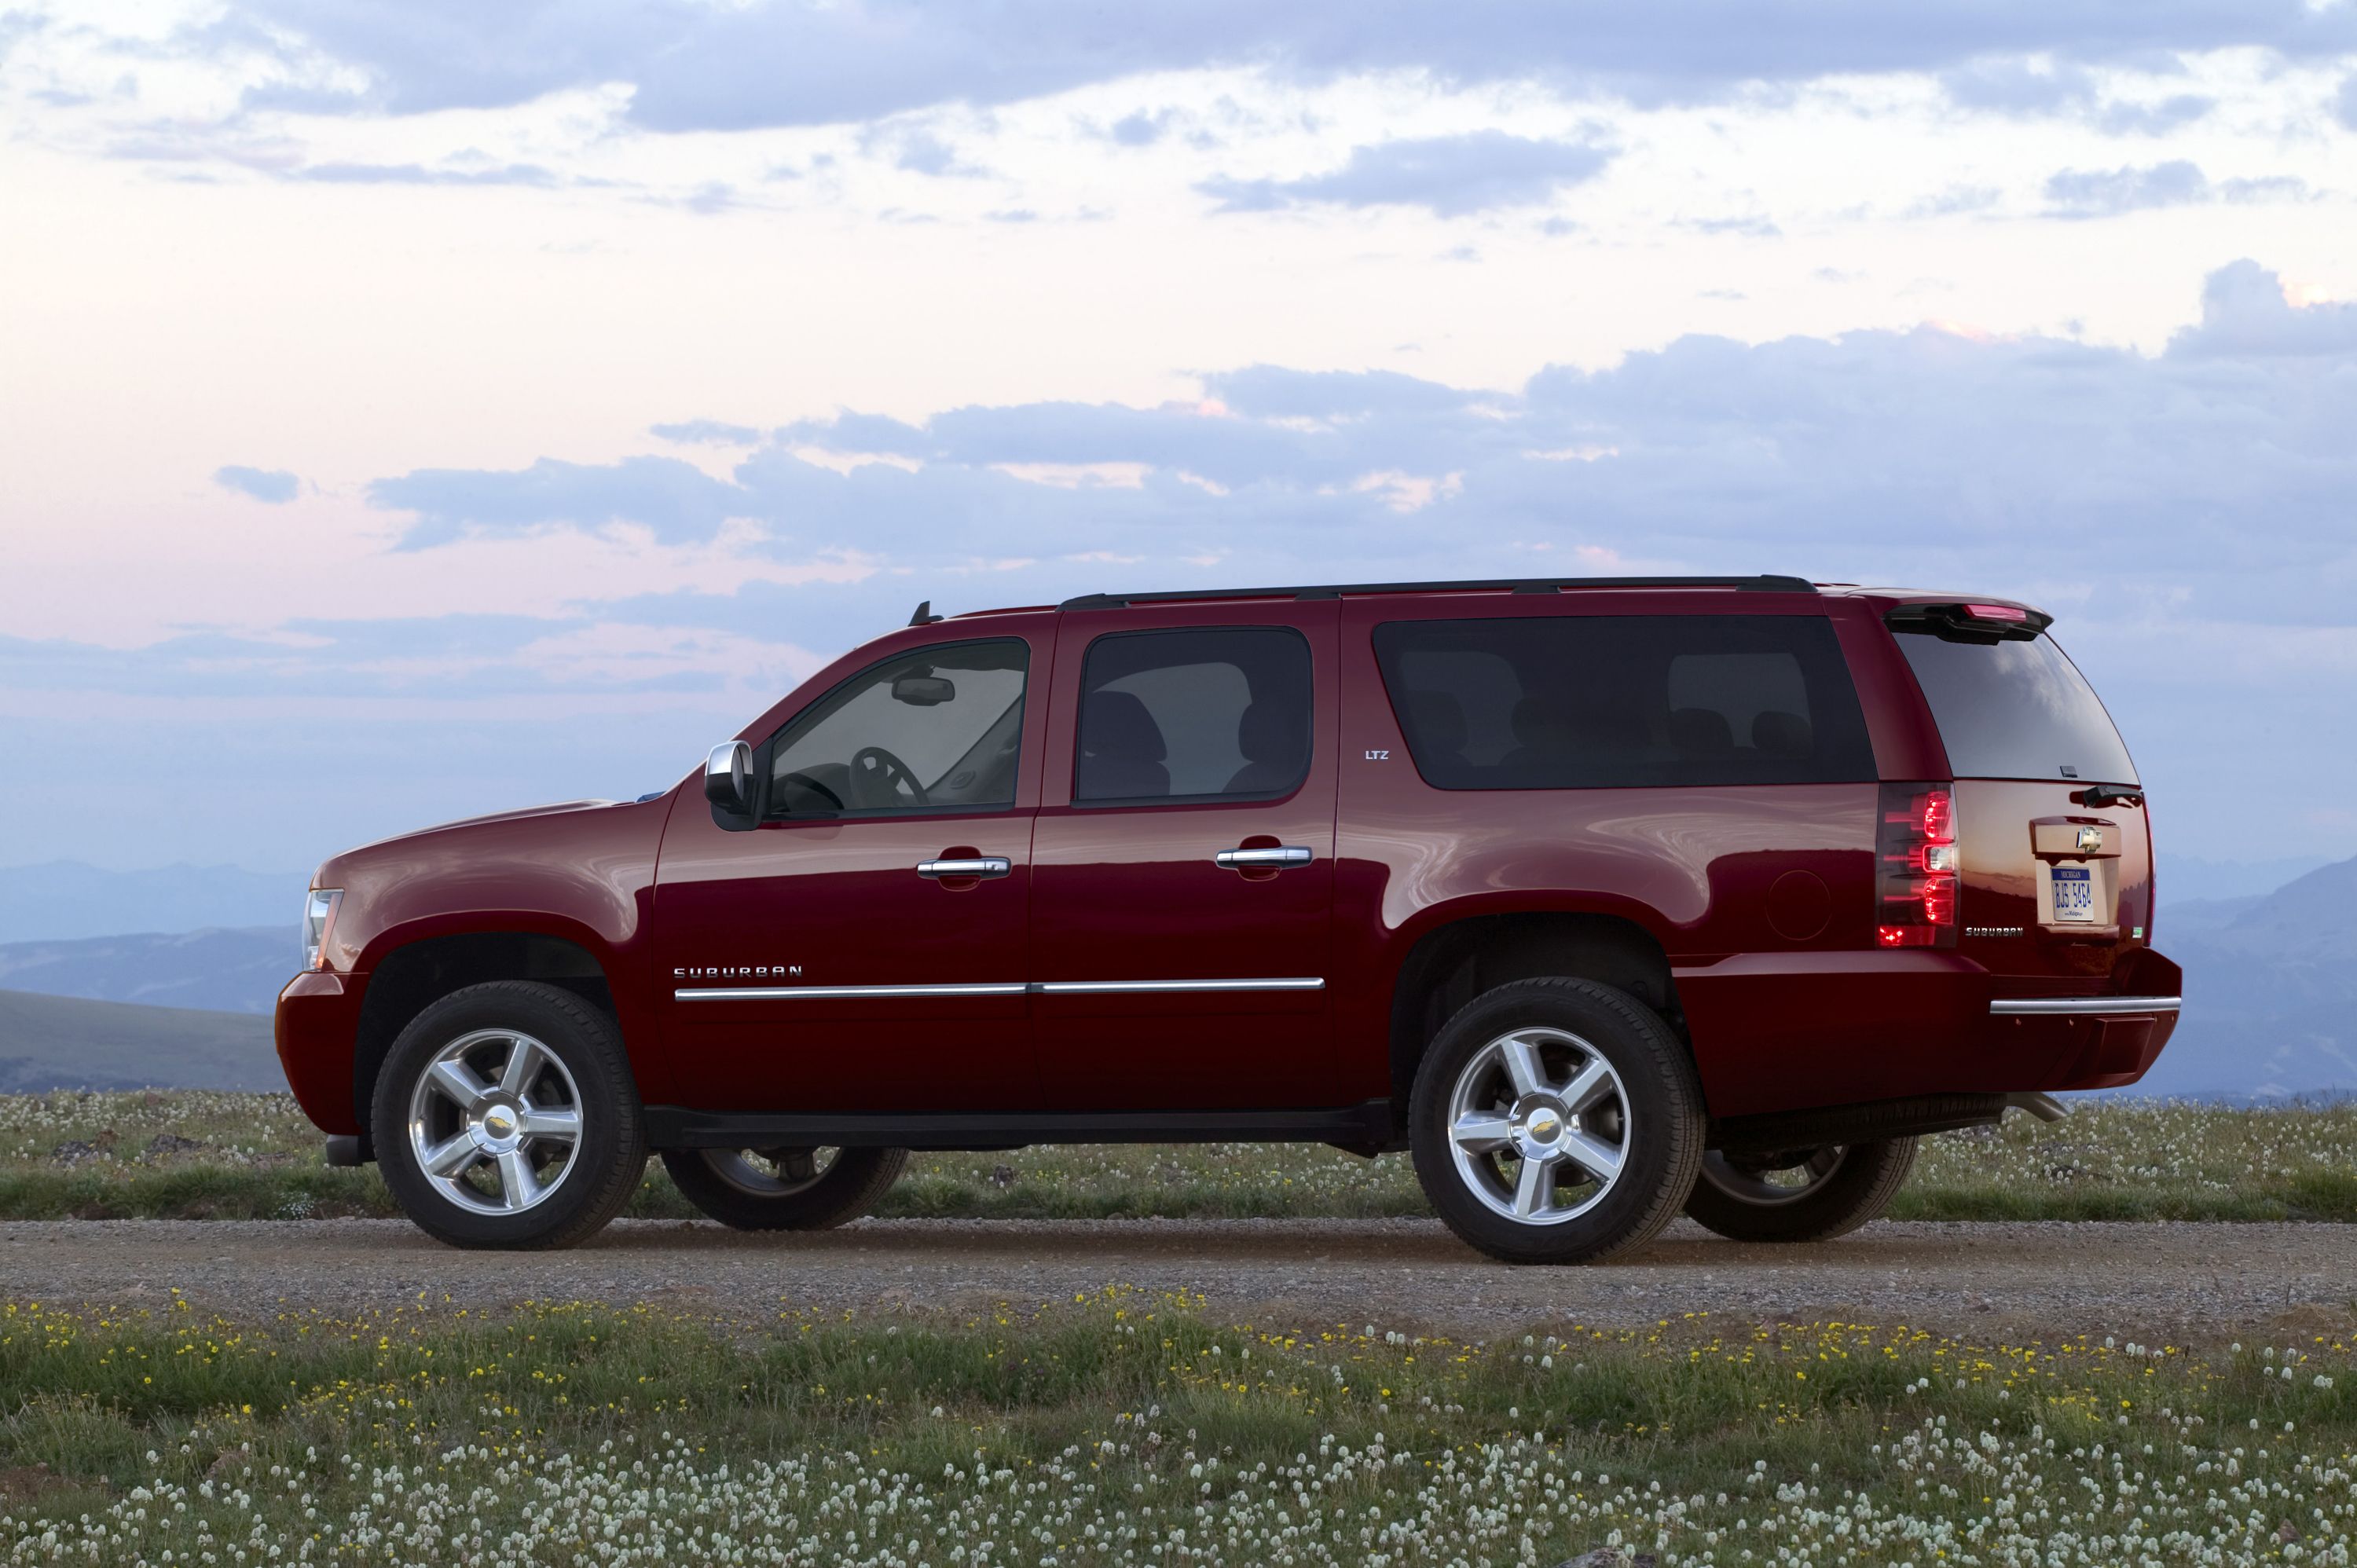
(2015, 709)
(1600, 702)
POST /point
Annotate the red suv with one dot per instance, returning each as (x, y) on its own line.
(1603, 898)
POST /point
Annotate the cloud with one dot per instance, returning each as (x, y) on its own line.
(1140, 129)
(2245, 316)
(2156, 119)
(1704, 451)
(923, 152)
(1957, 200)
(417, 174)
(2344, 103)
(693, 66)
(2020, 86)
(272, 484)
(2103, 193)
(675, 501)
(1449, 175)
(706, 432)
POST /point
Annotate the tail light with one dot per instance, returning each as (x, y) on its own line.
(1916, 865)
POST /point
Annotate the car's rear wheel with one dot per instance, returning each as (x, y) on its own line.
(1555, 1122)
(505, 1117)
(784, 1189)
(1800, 1195)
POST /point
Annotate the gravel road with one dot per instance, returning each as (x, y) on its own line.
(2195, 1282)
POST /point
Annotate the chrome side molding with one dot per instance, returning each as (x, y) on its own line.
(989, 988)
(2084, 1007)
(1121, 987)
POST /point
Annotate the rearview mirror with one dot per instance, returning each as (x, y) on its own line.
(923, 690)
(728, 776)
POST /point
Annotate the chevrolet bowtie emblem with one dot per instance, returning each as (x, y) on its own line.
(2090, 839)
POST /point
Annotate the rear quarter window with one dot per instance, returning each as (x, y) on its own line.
(1604, 702)
(2014, 708)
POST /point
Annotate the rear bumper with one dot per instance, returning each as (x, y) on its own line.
(315, 1024)
(1786, 1032)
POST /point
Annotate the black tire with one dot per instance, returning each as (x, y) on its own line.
(1837, 1189)
(1652, 1122)
(579, 1190)
(716, 1181)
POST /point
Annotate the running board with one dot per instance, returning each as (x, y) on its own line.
(678, 1127)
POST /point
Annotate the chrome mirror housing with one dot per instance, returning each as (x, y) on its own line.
(728, 776)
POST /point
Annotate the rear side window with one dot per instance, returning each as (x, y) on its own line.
(1603, 702)
(2014, 708)
(1205, 714)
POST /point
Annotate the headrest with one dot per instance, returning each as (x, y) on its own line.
(1438, 720)
(1269, 731)
(1701, 732)
(1782, 734)
(1115, 723)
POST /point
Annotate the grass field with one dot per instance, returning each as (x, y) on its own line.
(1126, 1429)
(208, 1155)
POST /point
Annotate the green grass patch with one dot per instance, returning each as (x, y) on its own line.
(203, 1155)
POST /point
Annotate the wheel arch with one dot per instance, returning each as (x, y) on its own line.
(1456, 958)
(408, 974)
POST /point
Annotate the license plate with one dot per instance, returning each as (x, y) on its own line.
(2074, 895)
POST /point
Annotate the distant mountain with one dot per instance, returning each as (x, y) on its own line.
(2185, 876)
(60, 1042)
(2270, 991)
(65, 899)
(224, 971)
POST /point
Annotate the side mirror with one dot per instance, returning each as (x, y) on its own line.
(923, 690)
(728, 777)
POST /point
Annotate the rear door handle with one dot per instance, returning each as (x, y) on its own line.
(981, 866)
(1283, 857)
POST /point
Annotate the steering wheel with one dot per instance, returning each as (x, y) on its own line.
(873, 764)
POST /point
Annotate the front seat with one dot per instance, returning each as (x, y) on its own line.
(1122, 751)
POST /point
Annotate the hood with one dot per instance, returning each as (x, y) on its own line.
(561, 808)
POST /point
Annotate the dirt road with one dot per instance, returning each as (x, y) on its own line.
(2190, 1281)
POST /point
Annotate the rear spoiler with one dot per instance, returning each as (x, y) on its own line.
(1968, 621)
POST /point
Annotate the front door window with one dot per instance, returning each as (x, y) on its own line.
(937, 730)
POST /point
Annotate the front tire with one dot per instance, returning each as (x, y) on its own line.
(1800, 1195)
(505, 1116)
(784, 1189)
(1556, 1121)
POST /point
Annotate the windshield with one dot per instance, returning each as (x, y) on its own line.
(2014, 709)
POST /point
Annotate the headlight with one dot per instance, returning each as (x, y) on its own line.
(319, 921)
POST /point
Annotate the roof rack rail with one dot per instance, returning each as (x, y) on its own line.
(1762, 583)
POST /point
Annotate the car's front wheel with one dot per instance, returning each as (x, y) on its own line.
(505, 1116)
(1800, 1195)
(784, 1189)
(1557, 1122)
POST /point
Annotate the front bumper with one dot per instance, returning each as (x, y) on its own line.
(315, 1025)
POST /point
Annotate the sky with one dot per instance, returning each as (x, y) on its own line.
(413, 409)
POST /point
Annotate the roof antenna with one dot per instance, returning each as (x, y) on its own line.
(925, 615)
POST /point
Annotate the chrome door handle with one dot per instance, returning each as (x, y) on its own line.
(1282, 858)
(983, 866)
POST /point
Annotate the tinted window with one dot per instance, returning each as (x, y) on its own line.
(940, 729)
(1193, 716)
(2015, 709)
(1595, 702)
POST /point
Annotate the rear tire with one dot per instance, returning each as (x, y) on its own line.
(784, 1189)
(1802, 1194)
(1556, 1121)
(505, 1116)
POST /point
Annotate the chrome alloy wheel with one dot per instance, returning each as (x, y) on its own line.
(1769, 1186)
(1538, 1125)
(495, 1122)
(771, 1172)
